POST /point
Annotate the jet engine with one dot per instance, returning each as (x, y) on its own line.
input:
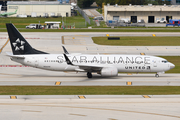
(109, 71)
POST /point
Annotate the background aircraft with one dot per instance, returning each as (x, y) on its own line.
(8, 13)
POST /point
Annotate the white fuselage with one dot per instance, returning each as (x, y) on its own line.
(123, 63)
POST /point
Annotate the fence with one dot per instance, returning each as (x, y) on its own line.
(75, 25)
(83, 24)
(84, 15)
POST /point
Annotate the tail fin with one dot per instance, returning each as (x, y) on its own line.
(16, 11)
(18, 43)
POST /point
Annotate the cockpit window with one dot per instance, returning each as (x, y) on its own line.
(164, 61)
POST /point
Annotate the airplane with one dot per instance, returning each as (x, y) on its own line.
(105, 65)
(73, 5)
(8, 13)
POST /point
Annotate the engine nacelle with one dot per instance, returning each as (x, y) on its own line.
(109, 71)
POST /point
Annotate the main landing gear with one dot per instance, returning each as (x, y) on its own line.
(157, 75)
(89, 74)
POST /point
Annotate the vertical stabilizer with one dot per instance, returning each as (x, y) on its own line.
(18, 43)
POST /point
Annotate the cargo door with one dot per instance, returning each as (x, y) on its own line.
(116, 18)
(150, 19)
(134, 19)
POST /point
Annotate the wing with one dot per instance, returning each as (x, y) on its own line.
(84, 67)
(92, 68)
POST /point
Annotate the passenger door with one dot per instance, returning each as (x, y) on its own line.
(155, 63)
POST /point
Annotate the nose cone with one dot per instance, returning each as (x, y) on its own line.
(171, 66)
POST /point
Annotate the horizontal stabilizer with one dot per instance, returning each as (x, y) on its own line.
(14, 56)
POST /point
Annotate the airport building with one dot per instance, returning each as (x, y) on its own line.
(172, 2)
(175, 2)
(134, 13)
(39, 8)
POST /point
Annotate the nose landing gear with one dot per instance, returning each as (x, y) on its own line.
(157, 75)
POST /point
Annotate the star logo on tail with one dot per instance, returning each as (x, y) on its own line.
(18, 45)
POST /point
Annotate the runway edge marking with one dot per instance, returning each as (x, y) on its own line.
(13, 97)
(82, 97)
(128, 83)
(57, 83)
(146, 96)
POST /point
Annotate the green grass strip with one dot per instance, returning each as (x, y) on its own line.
(29, 20)
(139, 41)
(90, 90)
(79, 22)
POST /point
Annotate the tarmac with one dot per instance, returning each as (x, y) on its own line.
(92, 12)
(140, 107)
(82, 43)
(28, 76)
(91, 107)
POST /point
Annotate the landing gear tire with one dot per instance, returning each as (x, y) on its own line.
(157, 75)
(89, 75)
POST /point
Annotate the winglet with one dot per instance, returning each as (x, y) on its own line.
(65, 51)
(67, 60)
